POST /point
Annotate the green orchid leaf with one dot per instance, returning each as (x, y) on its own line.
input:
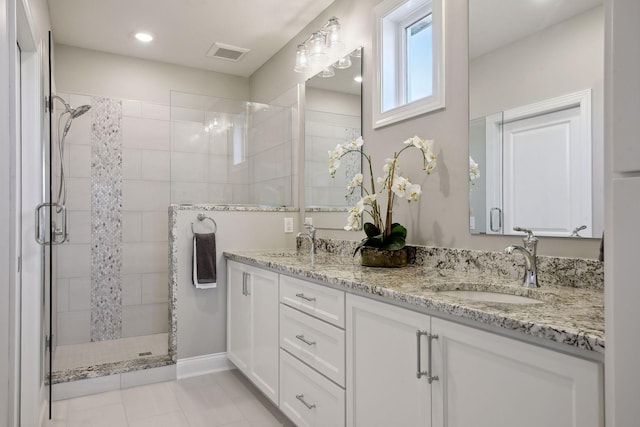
(398, 229)
(374, 241)
(394, 242)
(371, 230)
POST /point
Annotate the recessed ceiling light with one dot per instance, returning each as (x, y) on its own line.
(144, 37)
(358, 79)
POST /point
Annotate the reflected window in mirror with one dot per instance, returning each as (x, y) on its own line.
(409, 59)
(333, 116)
(536, 98)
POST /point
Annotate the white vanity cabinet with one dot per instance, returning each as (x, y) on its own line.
(484, 380)
(312, 355)
(252, 325)
(487, 380)
(382, 388)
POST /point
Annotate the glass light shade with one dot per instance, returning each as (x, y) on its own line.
(302, 59)
(317, 46)
(343, 63)
(327, 72)
(334, 33)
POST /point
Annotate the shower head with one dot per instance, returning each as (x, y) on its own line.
(77, 112)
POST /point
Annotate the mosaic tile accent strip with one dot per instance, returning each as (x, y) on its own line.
(106, 219)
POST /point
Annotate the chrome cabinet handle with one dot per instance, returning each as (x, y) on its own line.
(499, 219)
(304, 340)
(420, 373)
(245, 290)
(300, 397)
(306, 298)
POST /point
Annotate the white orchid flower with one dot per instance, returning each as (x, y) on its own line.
(400, 185)
(413, 192)
(355, 182)
(334, 164)
(474, 170)
(356, 144)
(369, 199)
(353, 221)
(416, 141)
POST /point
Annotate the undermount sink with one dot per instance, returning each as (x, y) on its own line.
(486, 296)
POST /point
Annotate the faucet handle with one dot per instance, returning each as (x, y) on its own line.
(530, 237)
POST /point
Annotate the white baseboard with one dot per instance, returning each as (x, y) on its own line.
(200, 365)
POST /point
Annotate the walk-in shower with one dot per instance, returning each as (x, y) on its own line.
(122, 163)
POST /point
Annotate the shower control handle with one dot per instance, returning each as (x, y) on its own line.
(41, 224)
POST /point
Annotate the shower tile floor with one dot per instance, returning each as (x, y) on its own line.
(214, 400)
(96, 353)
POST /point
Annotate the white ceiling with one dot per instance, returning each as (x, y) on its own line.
(184, 30)
(496, 23)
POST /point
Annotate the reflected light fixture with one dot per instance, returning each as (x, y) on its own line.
(315, 47)
(327, 72)
(143, 37)
(343, 63)
(357, 53)
(358, 79)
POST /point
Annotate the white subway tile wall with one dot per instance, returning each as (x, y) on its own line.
(146, 177)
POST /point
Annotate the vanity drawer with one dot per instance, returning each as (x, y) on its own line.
(308, 398)
(319, 301)
(313, 341)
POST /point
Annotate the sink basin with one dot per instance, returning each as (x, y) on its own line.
(485, 296)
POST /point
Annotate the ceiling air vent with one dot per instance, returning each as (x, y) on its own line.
(225, 51)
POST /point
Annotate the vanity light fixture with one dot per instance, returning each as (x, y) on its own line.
(315, 47)
(302, 59)
(143, 37)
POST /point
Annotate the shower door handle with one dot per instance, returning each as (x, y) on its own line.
(40, 219)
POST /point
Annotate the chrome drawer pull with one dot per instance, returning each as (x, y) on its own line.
(300, 397)
(306, 298)
(307, 342)
(420, 372)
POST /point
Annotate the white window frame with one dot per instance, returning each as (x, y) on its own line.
(401, 12)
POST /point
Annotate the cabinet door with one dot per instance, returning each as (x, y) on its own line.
(238, 317)
(263, 290)
(486, 380)
(382, 385)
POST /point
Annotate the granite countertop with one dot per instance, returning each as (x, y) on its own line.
(569, 315)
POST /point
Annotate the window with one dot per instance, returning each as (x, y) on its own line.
(409, 58)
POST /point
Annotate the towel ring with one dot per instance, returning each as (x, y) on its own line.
(202, 217)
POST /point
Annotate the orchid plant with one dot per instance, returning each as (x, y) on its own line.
(382, 232)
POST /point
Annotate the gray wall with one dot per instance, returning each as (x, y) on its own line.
(442, 215)
(96, 73)
(203, 312)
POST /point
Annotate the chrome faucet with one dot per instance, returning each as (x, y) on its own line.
(311, 235)
(576, 231)
(530, 279)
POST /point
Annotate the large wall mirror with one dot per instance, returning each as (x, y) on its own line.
(333, 115)
(536, 73)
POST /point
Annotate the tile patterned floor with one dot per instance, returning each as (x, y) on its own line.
(99, 352)
(223, 399)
